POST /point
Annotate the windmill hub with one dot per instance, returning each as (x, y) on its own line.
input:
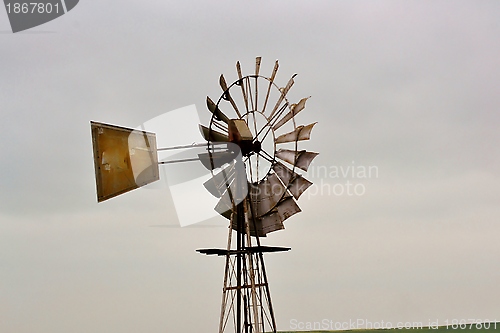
(257, 146)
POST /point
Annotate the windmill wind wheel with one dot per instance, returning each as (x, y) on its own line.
(246, 116)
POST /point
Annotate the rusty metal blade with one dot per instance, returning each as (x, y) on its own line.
(262, 225)
(295, 109)
(300, 133)
(271, 80)
(304, 159)
(287, 155)
(286, 208)
(286, 175)
(225, 205)
(227, 95)
(241, 84)
(266, 195)
(295, 183)
(220, 182)
(215, 160)
(212, 135)
(275, 70)
(284, 91)
(257, 65)
(301, 159)
(222, 82)
(271, 222)
(219, 115)
(298, 186)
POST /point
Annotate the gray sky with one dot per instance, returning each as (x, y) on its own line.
(411, 87)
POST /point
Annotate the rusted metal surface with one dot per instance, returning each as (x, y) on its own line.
(227, 95)
(271, 81)
(301, 159)
(124, 159)
(213, 135)
(287, 155)
(220, 182)
(270, 223)
(266, 195)
(304, 159)
(257, 65)
(239, 131)
(240, 134)
(283, 91)
(295, 109)
(284, 173)
(299, 134)
(240, 83)
(295, 183)
(212, 107)
(225, 206)
(214, 160)
(286, 208)
(298, 186)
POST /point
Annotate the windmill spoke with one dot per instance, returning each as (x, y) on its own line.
(272, 121)
(221, 127)
(283, 91)
(248, 88)
(268, 157)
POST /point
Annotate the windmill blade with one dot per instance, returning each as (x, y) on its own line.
(287, 207)
(298, 186)
(234, 194)
(241, 84)
(295, 109)
(227, 96)
(215, 160)
(261, 226)
(257, 65)
(304, 159)
(295, 183)
(220, 182)
(269, 223)
(286, 175)
(273, 221)
(225, 205)
(271, 80)
(300, 133)
(216, 111)
(266, 195)
(213, 136)
(284, 91)
(301, 159)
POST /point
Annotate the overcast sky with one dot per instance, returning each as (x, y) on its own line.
(409, 87)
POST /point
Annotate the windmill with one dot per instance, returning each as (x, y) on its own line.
(257, 184)
(252, 119)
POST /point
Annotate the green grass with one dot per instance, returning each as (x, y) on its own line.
(494, 327)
